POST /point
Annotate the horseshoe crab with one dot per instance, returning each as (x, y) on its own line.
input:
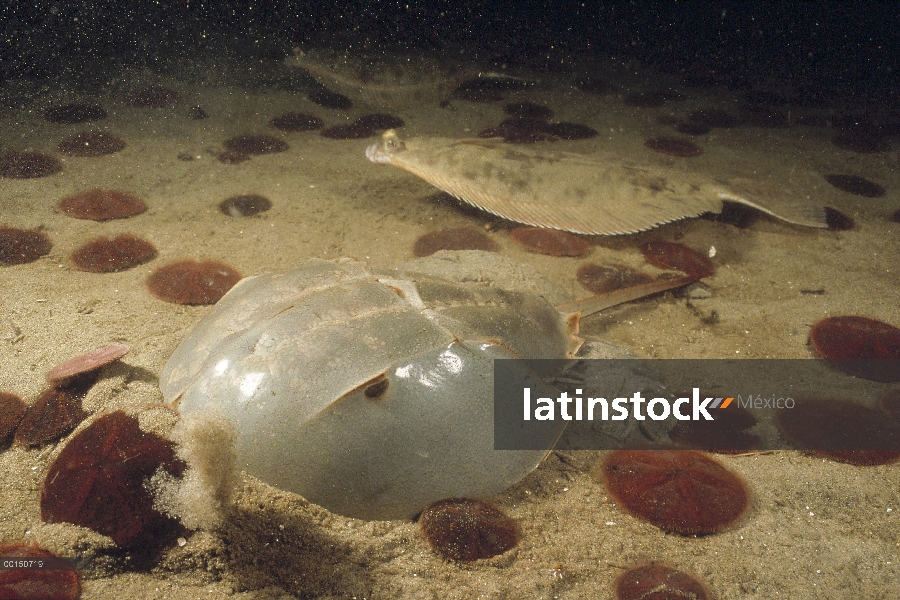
(369, 393)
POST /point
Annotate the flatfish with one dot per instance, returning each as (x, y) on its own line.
(598, 194)
(387, 80)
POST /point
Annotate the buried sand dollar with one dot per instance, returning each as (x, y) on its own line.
(598, 194)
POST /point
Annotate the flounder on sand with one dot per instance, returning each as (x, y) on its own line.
(391, 80)
(384, 80)
(598, 194)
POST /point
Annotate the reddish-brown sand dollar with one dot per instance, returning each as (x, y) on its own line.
(101, 205)
(12, 409)
(104, 255)
(671, 255)
(679, 491)
(673, 146)
(97, 481)
(28, 165)
(841, 430)
(550, 241)
(859, 345)
(55, 413)
(654, 581)
(192, 282)
(92, 144)
(86, 362)
(465, 530)
(457, 238)
(20, 246)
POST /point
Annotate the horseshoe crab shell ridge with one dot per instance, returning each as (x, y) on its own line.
(368, 394)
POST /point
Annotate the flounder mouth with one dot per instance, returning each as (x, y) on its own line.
(378, 157)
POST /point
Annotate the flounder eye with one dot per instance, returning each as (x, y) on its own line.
(392, 143)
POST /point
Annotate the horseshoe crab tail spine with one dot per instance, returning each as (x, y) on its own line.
(573, 324)
(595, 304)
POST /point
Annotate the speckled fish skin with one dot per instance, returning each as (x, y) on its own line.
(594, 195)
(294, 360)
(382, 80)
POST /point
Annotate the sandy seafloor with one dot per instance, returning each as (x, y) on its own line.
(816, 529)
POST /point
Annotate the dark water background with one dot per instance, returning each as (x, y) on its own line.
(846, 48)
